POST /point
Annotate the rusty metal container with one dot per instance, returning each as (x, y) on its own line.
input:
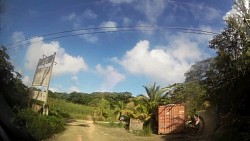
(171, 118)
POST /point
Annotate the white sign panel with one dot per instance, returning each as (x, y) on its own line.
(39, 95)
(42, 77)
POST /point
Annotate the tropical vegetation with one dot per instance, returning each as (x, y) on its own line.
(219, 84)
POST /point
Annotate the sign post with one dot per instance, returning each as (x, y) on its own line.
(41, 80)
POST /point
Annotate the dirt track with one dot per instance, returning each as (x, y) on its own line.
(82, 130)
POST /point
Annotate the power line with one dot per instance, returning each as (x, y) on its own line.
(101, 30)
(74, 30)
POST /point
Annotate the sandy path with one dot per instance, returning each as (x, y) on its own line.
(82, 130)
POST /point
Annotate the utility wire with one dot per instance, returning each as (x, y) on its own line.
(101, 30)
(14, 44)
(74, 30)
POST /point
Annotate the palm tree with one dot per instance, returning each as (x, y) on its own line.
(119, 109)
(155, 96)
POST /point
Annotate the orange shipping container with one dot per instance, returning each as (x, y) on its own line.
(171, 119)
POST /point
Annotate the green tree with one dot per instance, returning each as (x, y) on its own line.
(192, 94)
(119, 109)
(228, 77)
(6, 70)
(11, 87)
(103, 108)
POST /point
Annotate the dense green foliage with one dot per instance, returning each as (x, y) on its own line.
(104, 106)
(92, 99)
(225, 77)
(40, 127)
(192, 94)
(11, 87)
(16, 94)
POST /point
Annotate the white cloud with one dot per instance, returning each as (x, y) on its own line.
(126, 21)
(78, 23)
(53, 89)
(205, 13)
(57, 88)
(74, 89)
(145, 28)
(111, 77)
(111, 26)
(89, 14)
(92, 38)
(70, 17)
(26, 80)
(165, 64)
(78, 18)
(75, 84)
(75, 78)
(65, 62)
(152, 9)
(18, 38)
(89, 38)
(75, 81)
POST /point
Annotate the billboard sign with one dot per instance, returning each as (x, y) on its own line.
(42, 77)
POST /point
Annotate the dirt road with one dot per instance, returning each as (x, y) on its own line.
(82, 130)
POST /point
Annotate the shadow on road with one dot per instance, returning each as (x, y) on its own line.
(182, 137)
(70, 120)
(82, 125)
(175, 137)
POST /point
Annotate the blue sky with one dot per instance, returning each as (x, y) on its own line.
(113, 61)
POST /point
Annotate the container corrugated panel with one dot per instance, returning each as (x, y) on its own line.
(171, 118)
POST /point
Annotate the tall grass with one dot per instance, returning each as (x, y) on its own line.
(73, 110)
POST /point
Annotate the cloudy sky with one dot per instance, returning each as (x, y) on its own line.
(111, 45)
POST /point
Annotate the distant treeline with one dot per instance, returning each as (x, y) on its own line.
(94, 98)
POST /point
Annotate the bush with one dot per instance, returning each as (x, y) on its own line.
(39, 126)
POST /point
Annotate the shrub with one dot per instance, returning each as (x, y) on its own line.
(39, 126)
